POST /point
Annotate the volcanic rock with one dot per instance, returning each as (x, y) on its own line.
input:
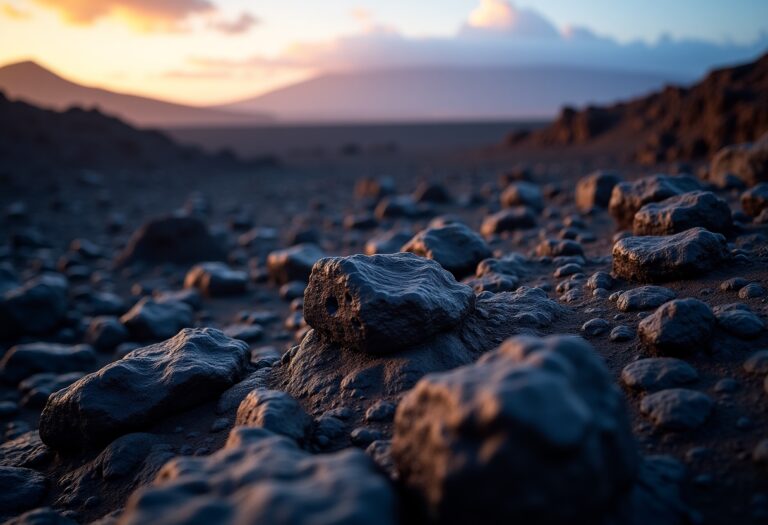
(677, 408)
(106, 332)
(683, 212)
(658, 373)
(679, 326)
(684, 255)
(25, 360)
(153, 320)
(644, 298)
(594, 190)
(35, 308)
(739, 320)
(628, 197)
(457, 248)
(142, 387)
(20, 489)
(275, 411)
(294, 263)
(216, 279)
(523, 194)
(511, 219)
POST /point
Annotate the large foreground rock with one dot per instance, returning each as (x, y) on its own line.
(143, 387)
(457, 248)
(263, 479)
(535, 432)
(628, 197)
(382, 303)
(683, 212)
(175, 239)
(686, 255)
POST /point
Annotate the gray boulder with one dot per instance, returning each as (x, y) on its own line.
(683, 212)
(678, 327)
(628, 197)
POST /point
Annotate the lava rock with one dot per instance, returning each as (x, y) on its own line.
(628, 197)
(737, 319)
(511, 219)
(382, 303)
(275, 411)
(174, 239)
(25, 360)
(35, 308)
(681, 256)
(658, 373)
(594, 190)
(644, 298)
(537, 421)
(142, 387)
(677, 408)
(683, 212)
(153, 320)
(678, 327)
(20, 489)
(523, 194)
(216, 279)
(263, 479)
(106, 333)
(294, 263)
(27, 451)
(755, 200)
(454, 246)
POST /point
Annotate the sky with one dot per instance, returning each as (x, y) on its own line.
(215, 51)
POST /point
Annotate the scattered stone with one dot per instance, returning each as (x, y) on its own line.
(275, 411)
(677, 327)
(677, 408)
(643, 298)
(628, 197)
(105, 333)
(558, 247)
(245, 332)
(35, 308)
(523, 194)
(733, 284)
(381, 303)
(41, 516)
(27, 451)
(20, 489)
(658, 373)
(594, 190)
(38, 388)
(567, 269)
(600, 280)
(174, 239)
(397, 207)
(507, 220)
(263, 479)
(681, 256)
(752, 291)
(389, 242)
(25, 360)
(454, 246)
(151, 320)
(748, 162)
(294, 263)
(142, 387)
(622, 333)
(595, 327)
(755, 200)
(557, 424)
(737, 319)
(216, 279)
(683, 212)
(432, 192)
(380, 411)
(757, 363)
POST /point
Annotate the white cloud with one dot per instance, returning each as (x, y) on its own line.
(503, 16)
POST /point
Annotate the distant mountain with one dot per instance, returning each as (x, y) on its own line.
(447, 93)
(30, 82)
(728, 106)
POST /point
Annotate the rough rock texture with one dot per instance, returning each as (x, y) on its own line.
(677, 408)
(628, 197)
(748, 162)
(179, 240)
(260, 478)
(20, 489)
(294, 263)
(320, 373)
(382, 303)
(457, 248)
(537, 421)
(216, 279)
(644, 298)
(739, 320)
(23, 361)
(594, 190)
(275, 411)
(685, 255)
(755, 200)
(678, 327)
(683, 212)
(26, 451)
(37, 307)
(511, 219)
(658, 373)
(147, 384)
(153, 320)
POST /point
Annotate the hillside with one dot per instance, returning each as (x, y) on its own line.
(30, 82)
(728, 106)
(442, 93)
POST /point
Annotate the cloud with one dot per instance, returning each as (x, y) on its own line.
(503, 16)
(144, 15)
(244, 23)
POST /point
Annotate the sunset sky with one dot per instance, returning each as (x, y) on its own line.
(210, 51)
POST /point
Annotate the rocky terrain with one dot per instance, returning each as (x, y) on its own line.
(728, 106)
(459, 340)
